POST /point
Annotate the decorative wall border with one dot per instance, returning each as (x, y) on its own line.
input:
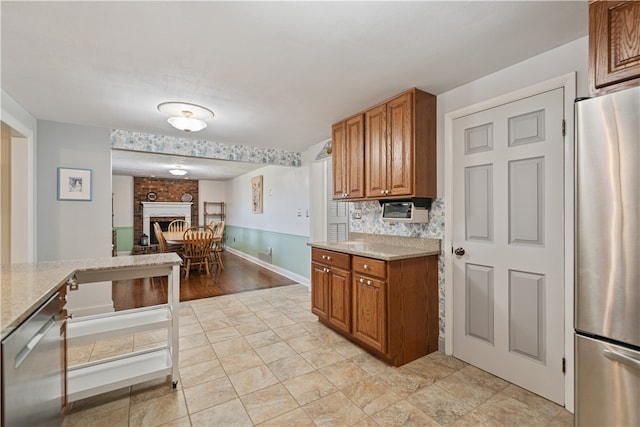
(137, 141)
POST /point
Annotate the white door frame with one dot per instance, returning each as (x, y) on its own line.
(568, 82)
(29, 163)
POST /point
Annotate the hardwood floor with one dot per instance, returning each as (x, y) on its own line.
(239, 275)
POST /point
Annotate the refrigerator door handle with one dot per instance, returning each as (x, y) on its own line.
(618, 357)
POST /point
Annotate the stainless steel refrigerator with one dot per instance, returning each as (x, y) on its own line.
(607, 289)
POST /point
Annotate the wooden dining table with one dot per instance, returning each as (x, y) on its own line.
(177, 237)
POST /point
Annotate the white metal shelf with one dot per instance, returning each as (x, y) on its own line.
(91, 328)
(112, 373)
(122, 371)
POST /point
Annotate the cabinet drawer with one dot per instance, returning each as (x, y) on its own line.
(335, 259)
(370, 266)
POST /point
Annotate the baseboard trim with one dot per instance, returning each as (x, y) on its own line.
(281, 271)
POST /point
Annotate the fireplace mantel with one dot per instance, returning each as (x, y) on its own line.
(164, 209)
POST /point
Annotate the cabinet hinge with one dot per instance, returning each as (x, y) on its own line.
(564, 127)
(564, 365)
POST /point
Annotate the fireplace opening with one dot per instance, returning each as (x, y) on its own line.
(164, 226)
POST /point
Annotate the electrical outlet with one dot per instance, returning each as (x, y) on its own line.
(357, 213)
(299, 212)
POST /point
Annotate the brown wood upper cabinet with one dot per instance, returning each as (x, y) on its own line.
(347, 142)
(614, 45)
(398, 140)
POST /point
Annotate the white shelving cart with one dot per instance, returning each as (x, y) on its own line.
(111, 373)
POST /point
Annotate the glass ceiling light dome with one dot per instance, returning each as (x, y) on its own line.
(185, 116)
(178, 171)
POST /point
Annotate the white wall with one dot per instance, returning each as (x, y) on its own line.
(286, 190)
(75, 229)
(122, 200)
(557, 62)
(209, 191)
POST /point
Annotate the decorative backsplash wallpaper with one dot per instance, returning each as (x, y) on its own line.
(371, 223)
(137, 141)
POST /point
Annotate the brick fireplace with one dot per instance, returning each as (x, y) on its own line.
(165, 191)
(163, 212)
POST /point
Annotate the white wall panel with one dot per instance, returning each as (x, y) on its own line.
(479, 202)
(526, 201)
(526, 314)
(479, 302)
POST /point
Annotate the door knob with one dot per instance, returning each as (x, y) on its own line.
(459, 251)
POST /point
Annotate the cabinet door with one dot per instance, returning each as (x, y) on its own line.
(400, 145)
(355, 157)
(370, 312)
(319, 290)
(340, 299)
(375, 153)
(614, 44)
(338, 159)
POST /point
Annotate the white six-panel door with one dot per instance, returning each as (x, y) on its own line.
(508, 273)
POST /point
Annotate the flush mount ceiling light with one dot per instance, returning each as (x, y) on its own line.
(178, 171)
(185, 116)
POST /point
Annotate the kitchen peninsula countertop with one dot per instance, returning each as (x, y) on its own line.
(384, 247)
(24, 287)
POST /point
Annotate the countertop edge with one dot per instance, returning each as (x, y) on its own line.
(369, 250)
(67, 268)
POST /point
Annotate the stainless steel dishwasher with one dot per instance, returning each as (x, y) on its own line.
(32, 370)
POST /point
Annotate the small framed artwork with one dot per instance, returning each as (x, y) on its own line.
(256, 194)
(74, 184)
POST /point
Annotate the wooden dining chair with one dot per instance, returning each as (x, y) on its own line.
(178, 225)
(218, 234)
(197, 248)
(164, 245)
(161, 240)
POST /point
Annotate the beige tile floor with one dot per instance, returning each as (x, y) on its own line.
(261, 358)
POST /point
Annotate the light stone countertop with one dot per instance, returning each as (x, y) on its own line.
(24, 287)
(387, 248)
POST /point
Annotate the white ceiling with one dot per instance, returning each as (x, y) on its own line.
(276, 74)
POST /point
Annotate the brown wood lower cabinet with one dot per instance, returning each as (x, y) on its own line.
(388, 307)
(331, 296)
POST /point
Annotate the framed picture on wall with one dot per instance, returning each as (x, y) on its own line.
(256, 194)
(74, 184)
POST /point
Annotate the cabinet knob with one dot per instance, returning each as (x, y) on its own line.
(324, 257)
(368, 282)
(328, 258)
(361, 280)
(366, 266)
(63, 297)
(381, 191)
(326, 270)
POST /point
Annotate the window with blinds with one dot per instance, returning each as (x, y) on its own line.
(337, 219)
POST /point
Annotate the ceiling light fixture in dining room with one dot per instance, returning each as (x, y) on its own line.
(186, 116)
(178, 171)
